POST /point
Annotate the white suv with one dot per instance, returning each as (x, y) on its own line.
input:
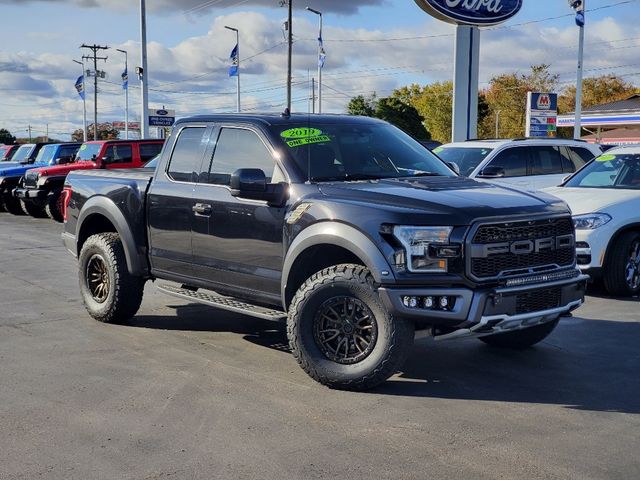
(529, 163)
(605, 200)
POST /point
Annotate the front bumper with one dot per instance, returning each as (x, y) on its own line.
(488, 311)
(591, 247)
(32, 194)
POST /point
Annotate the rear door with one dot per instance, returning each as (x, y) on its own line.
(118, 155)
(237, 243)
(545, 166)
(170, 203)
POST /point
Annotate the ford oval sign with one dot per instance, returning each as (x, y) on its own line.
(162, 112)
(471, 12)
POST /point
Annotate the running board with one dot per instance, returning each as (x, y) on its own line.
(222, 302)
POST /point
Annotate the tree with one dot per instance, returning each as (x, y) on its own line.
(596, 91)
(434, 103)
(392, 110)
(6, 137)
(506, 98)
(106, 131)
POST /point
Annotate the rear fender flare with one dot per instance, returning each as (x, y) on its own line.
(105, 207)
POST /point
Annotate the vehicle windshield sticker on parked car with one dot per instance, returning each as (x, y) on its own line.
(295, 137)
(605, 158)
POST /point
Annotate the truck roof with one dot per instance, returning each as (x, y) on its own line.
(121, 140)
(279, 119)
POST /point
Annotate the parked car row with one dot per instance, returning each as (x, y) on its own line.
(31, 181)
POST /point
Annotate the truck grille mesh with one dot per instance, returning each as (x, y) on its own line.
(538, 300)
(31, 179)
(512, 264)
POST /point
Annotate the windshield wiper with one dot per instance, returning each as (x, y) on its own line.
(346, 177)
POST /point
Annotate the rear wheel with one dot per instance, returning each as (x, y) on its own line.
(32, 209)
(110, 293)
(622, 269)
(341, 333)
(53, 207)
(521, 338)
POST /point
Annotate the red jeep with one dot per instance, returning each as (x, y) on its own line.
(43, 185)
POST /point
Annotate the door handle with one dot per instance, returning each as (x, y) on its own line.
(203, 209)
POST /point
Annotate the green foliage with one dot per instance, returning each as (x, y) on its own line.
(596, 91)
(392, 110)
(6, 137)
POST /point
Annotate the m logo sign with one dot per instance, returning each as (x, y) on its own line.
(471, 12)
(544, 102)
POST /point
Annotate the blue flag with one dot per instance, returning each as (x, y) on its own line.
(125, 80)
(322, 54)
(580, 19)
(233, 69)
(80, 86)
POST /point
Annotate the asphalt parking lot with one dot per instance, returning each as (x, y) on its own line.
(185, 391)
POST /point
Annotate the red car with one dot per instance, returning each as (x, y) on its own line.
(43, 185)
(7, 151)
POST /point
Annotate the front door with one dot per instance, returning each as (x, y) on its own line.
(237, 243)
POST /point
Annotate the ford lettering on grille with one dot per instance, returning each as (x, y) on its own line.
(523, 247)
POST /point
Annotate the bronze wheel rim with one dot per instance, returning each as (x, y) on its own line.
(98, 278)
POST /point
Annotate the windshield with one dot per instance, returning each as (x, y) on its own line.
(23, 153)
(88, 151)
(619, 170)
(46, 153)
(335, 152)
(3, 152)
(467, 159)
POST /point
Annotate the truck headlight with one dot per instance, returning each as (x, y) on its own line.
(1, 181)
(590, 221)
(427, 248)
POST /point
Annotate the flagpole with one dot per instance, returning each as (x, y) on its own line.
(319, 57)
(237, 60)
(125, 85)
(84, 103)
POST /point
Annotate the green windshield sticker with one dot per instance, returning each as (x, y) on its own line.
(605, 158)
(295, 137)
(83, 147)
(437, 150)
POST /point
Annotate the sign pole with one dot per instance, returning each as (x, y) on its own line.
(143, 73)
(465, 91)
(577, 129)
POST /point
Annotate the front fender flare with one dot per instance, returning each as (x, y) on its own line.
(105, 207)
(341, 235)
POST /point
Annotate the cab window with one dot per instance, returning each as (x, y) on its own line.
(149, 150)
(239, 148)
(119, 154)
(186, 157)
(545, 160)
(513, 161)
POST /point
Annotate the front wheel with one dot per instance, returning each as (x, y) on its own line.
(53, 207)
(622, 269)
(109, 292)
(32, 209)
(11, 204)
(521, 339)
(341, 333)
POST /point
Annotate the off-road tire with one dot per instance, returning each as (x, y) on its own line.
(11, 204)
(53, 207)
(30, 208)
(394, 335)
(521, 339)
(124, 290)
(614, 275)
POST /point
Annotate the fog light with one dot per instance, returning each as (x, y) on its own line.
(428, 302)
(411, 302)
(444, 302)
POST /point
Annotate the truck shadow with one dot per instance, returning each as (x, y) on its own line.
(583, 365)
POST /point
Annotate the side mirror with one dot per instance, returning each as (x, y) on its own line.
(63, 160)
(492, 172)
(251, 184)
(454, 166)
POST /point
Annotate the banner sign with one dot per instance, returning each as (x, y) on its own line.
(161, 118)
(471, 12)
(121, 125)
(542, 114)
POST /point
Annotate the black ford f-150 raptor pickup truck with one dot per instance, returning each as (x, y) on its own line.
(344, 227)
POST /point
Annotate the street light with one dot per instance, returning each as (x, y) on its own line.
(320, 60)
(579, 7)
(237, 64)
(125, 86)
(143, 73)
(84, 102)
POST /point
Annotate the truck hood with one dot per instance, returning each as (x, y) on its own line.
(18, 169)
(460, 199)
(591, 200)
(63, 170)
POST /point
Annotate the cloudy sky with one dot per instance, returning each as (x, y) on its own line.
(372, 46)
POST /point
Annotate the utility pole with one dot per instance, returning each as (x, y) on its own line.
(46, 138)
(313, 95)
(125, 86)
(497, 124)
(143, 73)
(238, 65)
(84, 100)
(290, 49)
(320, 58)
(579, 7)
(95, 48)
(29, 130)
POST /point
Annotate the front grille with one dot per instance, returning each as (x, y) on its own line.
(538, 300)
(31, 179)
(508, 264)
